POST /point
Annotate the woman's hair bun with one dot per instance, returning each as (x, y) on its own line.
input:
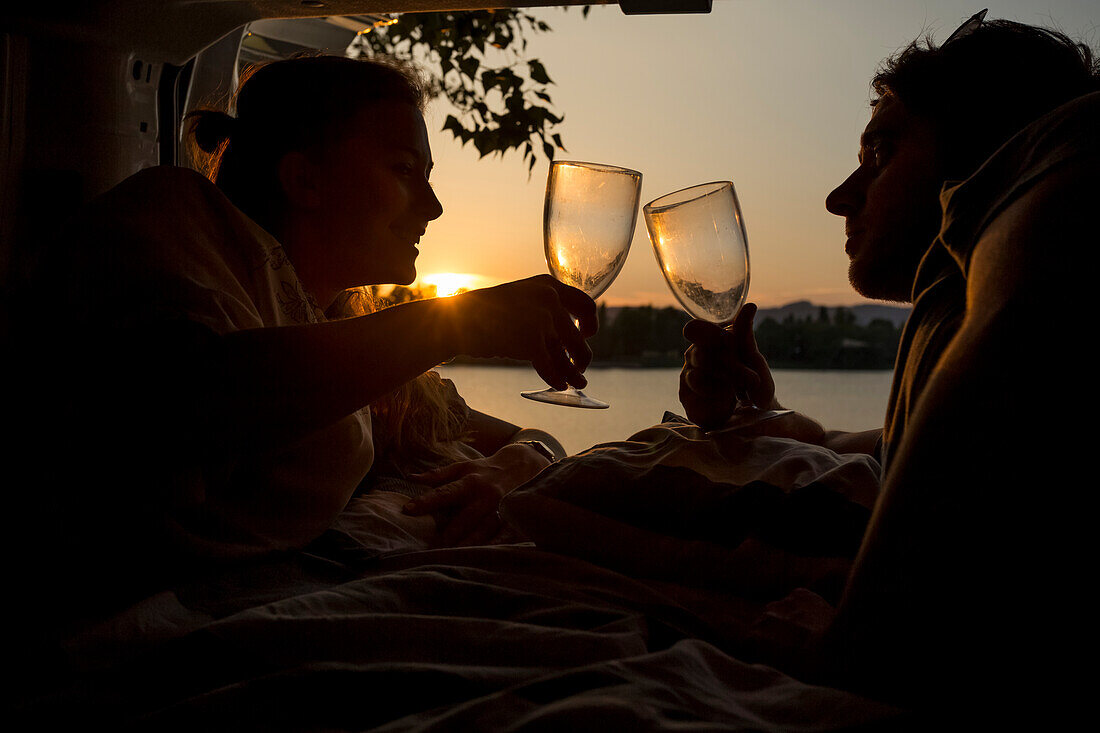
(210, 129)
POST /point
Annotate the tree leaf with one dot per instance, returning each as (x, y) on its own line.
(468, 66)
(499, 106)
(538, 72)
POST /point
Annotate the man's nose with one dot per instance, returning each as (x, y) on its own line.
(846, 198)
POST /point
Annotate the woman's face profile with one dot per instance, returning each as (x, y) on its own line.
(374, 200)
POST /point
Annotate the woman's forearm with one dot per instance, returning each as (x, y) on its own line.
(267, 386)
(543, 437)
(490, 434)
(281, 383)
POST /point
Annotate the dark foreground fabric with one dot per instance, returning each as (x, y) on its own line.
(492, 638)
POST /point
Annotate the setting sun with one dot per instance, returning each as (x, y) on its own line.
(452, 283)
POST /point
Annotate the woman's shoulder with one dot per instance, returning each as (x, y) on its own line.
(173, 210)
(168, 178)
(171, 234)
(161, 188)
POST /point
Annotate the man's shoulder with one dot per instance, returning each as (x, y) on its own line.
(1065, 135)
(1080, 113)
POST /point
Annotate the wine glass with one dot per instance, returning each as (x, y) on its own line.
(702, 248)
(587, 223)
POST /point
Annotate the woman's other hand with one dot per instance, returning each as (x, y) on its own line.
(532, 320)
(722, 367)
(788, 632)
(467, 493)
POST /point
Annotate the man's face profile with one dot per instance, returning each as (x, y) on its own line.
(890, 203)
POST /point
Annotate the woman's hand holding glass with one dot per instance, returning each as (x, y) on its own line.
(539, 320)
(589, 214)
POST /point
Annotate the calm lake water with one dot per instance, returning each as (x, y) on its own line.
(844, 400)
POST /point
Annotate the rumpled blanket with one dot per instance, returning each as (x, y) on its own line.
(369, 630)
(676, 502)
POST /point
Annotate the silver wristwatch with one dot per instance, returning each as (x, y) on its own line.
(540, 447)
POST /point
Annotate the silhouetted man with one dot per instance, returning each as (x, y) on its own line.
(938, 114)
(968, 589)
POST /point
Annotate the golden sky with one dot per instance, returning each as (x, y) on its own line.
(770, 94)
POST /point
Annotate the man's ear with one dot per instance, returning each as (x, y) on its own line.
(300, 180)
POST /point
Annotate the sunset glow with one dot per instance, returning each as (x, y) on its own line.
(452, 283)
(717, 99)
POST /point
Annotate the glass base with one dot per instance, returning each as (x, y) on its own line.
(759, 414)
(744, 416)
(565, 397)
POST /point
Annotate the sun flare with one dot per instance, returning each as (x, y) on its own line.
(452, 283)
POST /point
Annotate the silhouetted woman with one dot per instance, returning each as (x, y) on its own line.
(230, 413)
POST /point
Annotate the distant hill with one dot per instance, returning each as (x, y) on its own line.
(864, 312)
(802, 309)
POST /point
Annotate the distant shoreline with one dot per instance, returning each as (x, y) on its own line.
(647, 364)
(799, 336)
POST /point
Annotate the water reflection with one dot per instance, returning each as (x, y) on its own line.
(843, 400)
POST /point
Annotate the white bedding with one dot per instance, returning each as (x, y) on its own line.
(372, 629)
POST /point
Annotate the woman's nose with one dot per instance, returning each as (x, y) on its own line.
(847, 197)
(433, 209)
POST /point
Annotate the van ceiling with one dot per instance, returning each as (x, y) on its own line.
(175, 30)
(91, 91)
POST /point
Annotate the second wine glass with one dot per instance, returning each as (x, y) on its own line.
(702, 248)
(588, 221)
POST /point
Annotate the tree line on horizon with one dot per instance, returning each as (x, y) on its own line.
(652, 336)
(831, 339)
